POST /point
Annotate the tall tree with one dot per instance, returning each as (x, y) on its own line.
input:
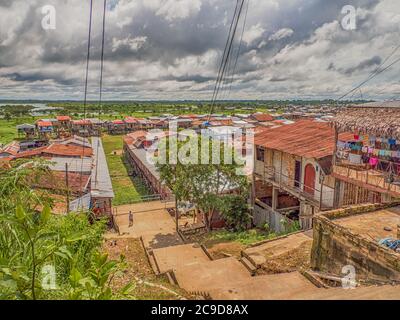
(203, 184)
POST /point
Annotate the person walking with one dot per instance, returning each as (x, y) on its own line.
(130, 219)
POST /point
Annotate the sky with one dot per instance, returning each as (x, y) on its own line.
(171, 49)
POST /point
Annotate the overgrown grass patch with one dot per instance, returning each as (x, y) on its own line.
(243, 237)
(127, 190)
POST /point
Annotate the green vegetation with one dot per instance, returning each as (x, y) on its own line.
(8, 131)
(127, 190)
(44, 256)
(207, 185)
(243, 237)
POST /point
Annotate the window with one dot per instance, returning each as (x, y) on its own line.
(260, 154)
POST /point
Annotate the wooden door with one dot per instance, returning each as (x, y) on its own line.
(309, 179)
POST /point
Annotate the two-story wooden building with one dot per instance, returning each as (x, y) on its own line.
(292, 175)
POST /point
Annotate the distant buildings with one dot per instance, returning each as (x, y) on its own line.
(77, 172)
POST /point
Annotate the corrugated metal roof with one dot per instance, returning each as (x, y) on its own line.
(101, 185)
(68, 150)
(143, 155)
(262, 117)
(44, 124)
(55, 180)
(83, 165)
(305, 138)
(63, 118)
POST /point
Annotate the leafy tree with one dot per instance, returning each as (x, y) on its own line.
(203, 184)
(31, 237)
(7, 116)
(235, 211)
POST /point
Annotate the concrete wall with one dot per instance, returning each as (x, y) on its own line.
(335, 247)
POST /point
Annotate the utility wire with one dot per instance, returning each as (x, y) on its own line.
(101, 81)
(102, 56)
(376, 72)
(223, 66)
(240, 46)
(88, 58)
(86, 87)
(232, 65)
(224, 54)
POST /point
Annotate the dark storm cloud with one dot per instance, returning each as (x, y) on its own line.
(175, 46)
(366, 64)
(36, 77)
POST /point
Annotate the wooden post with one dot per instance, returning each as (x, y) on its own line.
(67, 185)
(280, 175)
(275, 197)
(320, 196)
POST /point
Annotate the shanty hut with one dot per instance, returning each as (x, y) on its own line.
(117, 127)
(45, 128)
(64, 121)
(367, 166)
(131, 124)
(27, 129)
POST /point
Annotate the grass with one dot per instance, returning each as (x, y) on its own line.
(244, 237)
(8, 130)
(126, 189)
(151, 287)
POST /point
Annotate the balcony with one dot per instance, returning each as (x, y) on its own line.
(366, 177)
(323, 199)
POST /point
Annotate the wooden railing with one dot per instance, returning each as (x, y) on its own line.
(368, 177)
(295, 186)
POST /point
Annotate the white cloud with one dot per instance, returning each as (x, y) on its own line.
(134, 44)
(280, 34)
(253, 33)
(174, 48)
(174, 9)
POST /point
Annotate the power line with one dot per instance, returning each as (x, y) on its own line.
(232, 65)
(224, 54)
(225, 58)
(88, 57)
(102, 56)
(240, 46)
(86, 87)
(375, 73)
(101, 80)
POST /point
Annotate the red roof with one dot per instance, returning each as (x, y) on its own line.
(188, 116)
(44, 124)
(68, 150)
(82, 122)
(12, 148)
(262, 117)
(132, 137)
(30, 153)
(118, 122)
(130, 120)
(57, 149)
(305, 138)
(55, 180)
(63, 118)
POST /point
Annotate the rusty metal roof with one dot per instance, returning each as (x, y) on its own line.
(305, 138)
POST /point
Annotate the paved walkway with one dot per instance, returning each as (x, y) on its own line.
(227, 278)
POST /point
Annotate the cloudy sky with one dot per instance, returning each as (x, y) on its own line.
(171, 49)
